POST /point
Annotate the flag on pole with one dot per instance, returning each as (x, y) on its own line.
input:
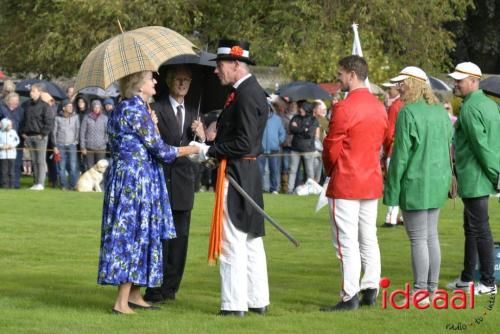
(356, 50)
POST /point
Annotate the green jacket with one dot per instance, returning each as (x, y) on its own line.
(477, 146)
(419, 172)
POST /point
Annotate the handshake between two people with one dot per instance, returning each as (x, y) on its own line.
(201, 156)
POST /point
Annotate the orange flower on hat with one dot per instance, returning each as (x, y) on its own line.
(236, 51)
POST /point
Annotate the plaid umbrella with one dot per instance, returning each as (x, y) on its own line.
(130, 52)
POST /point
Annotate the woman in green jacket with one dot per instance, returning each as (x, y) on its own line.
(419, 174)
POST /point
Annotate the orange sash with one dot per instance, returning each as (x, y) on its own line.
(214, 244)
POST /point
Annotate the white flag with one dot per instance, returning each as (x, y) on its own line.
(356, 49)
(322, 200)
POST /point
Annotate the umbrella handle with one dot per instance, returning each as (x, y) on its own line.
(197, 116)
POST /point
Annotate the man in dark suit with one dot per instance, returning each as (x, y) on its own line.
(240, 128)
(175, 122)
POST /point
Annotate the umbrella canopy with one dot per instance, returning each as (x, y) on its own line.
(303, 90)
(205, 92)
(130, 52)
(24, 88)
(491, 85)
(111, 91)
(438, 84)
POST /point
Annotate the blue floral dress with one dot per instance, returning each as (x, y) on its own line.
(136, 212)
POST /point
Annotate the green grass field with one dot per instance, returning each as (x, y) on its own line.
(49, 244)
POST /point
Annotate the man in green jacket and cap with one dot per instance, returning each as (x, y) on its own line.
(477, 156)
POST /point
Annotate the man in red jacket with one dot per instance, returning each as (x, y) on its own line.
(351, 155)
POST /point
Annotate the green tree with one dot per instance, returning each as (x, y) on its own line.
(53, 37)
(307, 37)
(478, 37)
(303, 37)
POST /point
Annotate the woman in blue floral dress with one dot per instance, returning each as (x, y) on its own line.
(136, 212)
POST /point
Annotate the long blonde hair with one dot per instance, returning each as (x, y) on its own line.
(417, 89)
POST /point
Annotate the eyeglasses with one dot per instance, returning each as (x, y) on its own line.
(183, 80)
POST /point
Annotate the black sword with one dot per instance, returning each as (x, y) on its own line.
(250, 200)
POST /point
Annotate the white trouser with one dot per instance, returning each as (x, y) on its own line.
(243, 267)
(355, 239)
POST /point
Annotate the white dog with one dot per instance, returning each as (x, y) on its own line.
(91, 179)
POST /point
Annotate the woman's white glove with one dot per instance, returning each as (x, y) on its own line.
(202, 155)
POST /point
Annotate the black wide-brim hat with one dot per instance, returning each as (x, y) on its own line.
(229, 49)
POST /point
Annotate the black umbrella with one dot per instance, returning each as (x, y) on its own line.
(24, 88)
(491, 86)
(205, 93)
(438, 84)
(303, 90)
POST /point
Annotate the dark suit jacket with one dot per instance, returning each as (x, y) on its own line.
(179, 175)
(239, 134)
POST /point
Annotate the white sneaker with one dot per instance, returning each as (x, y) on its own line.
(37, 187)
(422, 302)
(458, 284)
(481, 289)
(275, 193)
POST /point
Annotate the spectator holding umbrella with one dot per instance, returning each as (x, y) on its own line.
(419, 173)
(136, 211)
(93, 135)
(176, 124)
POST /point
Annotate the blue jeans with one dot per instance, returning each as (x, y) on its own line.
(274, 170)
(69, 165)
(285, 164)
